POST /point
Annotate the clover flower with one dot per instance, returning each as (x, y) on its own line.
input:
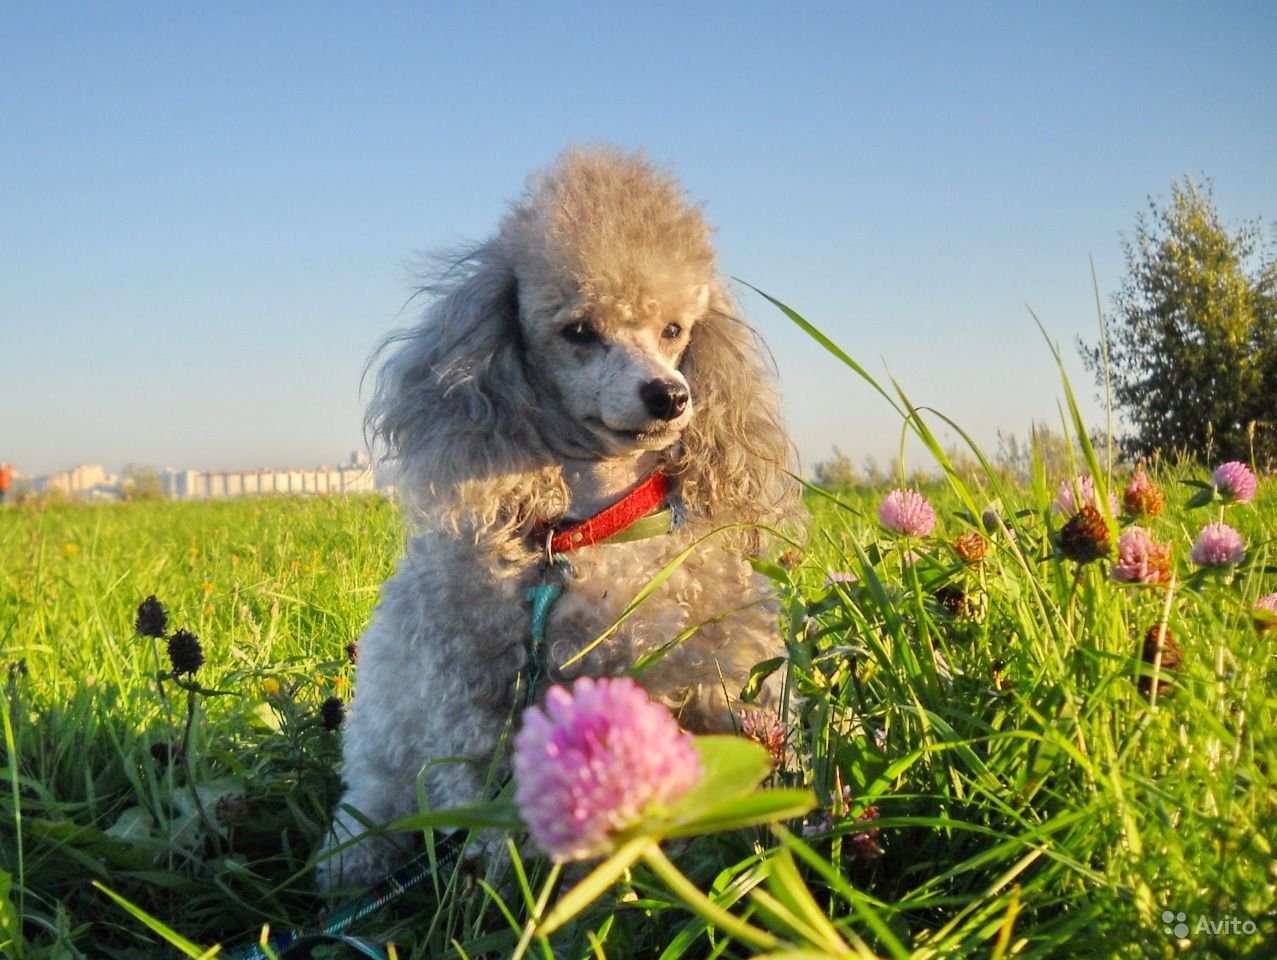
(1218, 545)
(152, 620)
(858, 844)
(1085, 537)
(1172, 657)
(185, 653)
(1266, 613)
(867, 843)
(594, 761)
(907, 512)
(1141, 559)
(1077, 493)
(765, 728)
(994, 524)
(1142, 498)
(1235, 482)
(971, 547)
(331, 713)
(233, 808)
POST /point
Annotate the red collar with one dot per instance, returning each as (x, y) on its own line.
(620, 516)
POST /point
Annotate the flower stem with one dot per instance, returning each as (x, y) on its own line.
(710, 911)
(184, 757)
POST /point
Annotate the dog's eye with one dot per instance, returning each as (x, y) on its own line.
(672, 332)
(582, 332)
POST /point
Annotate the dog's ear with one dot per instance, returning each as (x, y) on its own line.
(735, 459)
(453, 406)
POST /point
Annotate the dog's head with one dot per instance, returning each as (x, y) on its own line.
(593, 325)
(612, 272)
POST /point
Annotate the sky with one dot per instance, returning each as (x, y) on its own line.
(211, 214)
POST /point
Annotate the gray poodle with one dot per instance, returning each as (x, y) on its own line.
(579, 406)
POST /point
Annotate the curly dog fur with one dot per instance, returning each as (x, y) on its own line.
(587, 343)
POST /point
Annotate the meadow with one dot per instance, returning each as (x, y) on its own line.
(997, 768)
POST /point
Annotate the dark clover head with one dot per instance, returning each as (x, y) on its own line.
(152, 620)
(1086, 536)
(1171, 660)
(332, 712)
(185, 653)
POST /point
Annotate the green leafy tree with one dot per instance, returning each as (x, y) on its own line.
(141, 483)
(1192, 337)
(836, 473)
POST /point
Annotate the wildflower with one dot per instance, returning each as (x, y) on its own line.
(971, 547)
(1077, 493)
(907, 512)
(1218, 545)
(1142, 498)
(332, 712)
(766, 729)
(232, 808)
(857, 844)
(594, 761)
(1235, 482)
(152, 619)
(994, 524)
(866, 843)
(1141, 559)
(1086, 536)
(270, 687)
(1172, 657)
(185, 653)
(1266, 613)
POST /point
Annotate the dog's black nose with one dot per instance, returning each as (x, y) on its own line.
(664, 399)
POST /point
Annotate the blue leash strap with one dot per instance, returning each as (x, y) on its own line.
(554, 571)
(333, 923)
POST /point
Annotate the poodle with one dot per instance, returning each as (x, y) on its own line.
(579, 406)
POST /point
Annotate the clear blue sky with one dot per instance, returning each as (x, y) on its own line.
(211, 213)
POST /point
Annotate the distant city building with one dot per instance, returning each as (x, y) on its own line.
(88, 480)
(92, 481)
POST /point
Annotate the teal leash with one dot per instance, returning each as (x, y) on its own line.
(554, 574)
(333, 924)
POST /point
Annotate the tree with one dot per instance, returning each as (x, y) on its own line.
(836, 473)
(141, 483)
(1061, 456)
(1192, 338)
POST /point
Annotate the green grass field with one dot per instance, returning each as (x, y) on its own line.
(1027, 798)
(996, 756)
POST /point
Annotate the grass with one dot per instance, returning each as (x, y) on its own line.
(993, 781)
